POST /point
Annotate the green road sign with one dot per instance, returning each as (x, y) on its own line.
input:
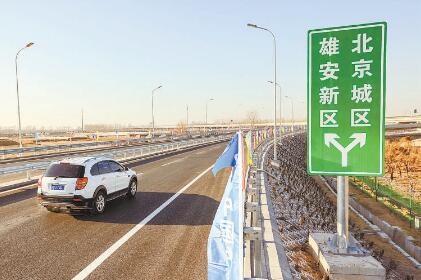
(346, 99)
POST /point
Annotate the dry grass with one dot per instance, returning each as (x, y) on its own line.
(403, 167)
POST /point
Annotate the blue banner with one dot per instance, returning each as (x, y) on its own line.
(225, 242)
(228, 156)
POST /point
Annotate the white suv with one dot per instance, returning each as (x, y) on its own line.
(85, 183)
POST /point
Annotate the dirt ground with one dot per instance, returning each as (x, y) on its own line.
(4, 142)
(403, 266)
(385, 213)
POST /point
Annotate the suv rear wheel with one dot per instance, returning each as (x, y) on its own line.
(131, 193)
(99, 203)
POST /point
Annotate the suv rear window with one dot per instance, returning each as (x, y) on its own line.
(65, 170)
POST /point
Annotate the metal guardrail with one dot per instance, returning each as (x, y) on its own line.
(120, 154)
(36, 149)
(264, 253)
(252, 226)
(261, 245)
(68, 146)
(403, 125)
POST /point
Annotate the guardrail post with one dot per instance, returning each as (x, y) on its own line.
(254, 231)
(257, 243)
(28, 174)
(253, 234)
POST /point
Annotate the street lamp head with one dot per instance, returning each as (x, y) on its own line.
(156, 89)
(29, 45)
(251, 25)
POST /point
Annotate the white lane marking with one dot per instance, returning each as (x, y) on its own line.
(99, 260)
(171, 162)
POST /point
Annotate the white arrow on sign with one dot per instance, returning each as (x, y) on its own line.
(359, 138)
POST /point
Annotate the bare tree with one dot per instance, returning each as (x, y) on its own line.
(252, 118)
(181, 128)
(390, 158)
(409, 155)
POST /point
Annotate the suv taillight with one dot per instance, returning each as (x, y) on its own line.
(81, 183)
(40, 182)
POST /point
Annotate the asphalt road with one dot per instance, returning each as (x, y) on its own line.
(37, 244)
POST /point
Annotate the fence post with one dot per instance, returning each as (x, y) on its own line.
(376, 186)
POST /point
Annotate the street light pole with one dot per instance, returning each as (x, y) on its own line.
(82, 120)
(17, 90)
(153, 117)
(280, 110)
(292, 112)
(206, 116)
(187, 119)
(275, 157)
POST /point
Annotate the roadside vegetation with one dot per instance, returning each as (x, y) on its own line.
(400, 188)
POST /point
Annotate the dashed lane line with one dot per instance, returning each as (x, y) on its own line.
(171, 162)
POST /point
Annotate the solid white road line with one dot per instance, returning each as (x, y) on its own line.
(171, 162)
(98, 261)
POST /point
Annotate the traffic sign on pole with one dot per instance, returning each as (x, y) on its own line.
(346, 99)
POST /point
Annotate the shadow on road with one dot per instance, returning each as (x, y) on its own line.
(186, 209)
(16, 197)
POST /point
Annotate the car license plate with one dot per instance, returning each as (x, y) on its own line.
(57, 187)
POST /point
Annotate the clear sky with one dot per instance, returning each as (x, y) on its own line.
(107, 56)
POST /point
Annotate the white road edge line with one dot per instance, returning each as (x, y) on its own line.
(171, 162)
(99, 260)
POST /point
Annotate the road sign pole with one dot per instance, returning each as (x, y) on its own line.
(342, 212)
(346, 123)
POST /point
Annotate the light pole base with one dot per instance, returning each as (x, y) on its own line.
(352, 262)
